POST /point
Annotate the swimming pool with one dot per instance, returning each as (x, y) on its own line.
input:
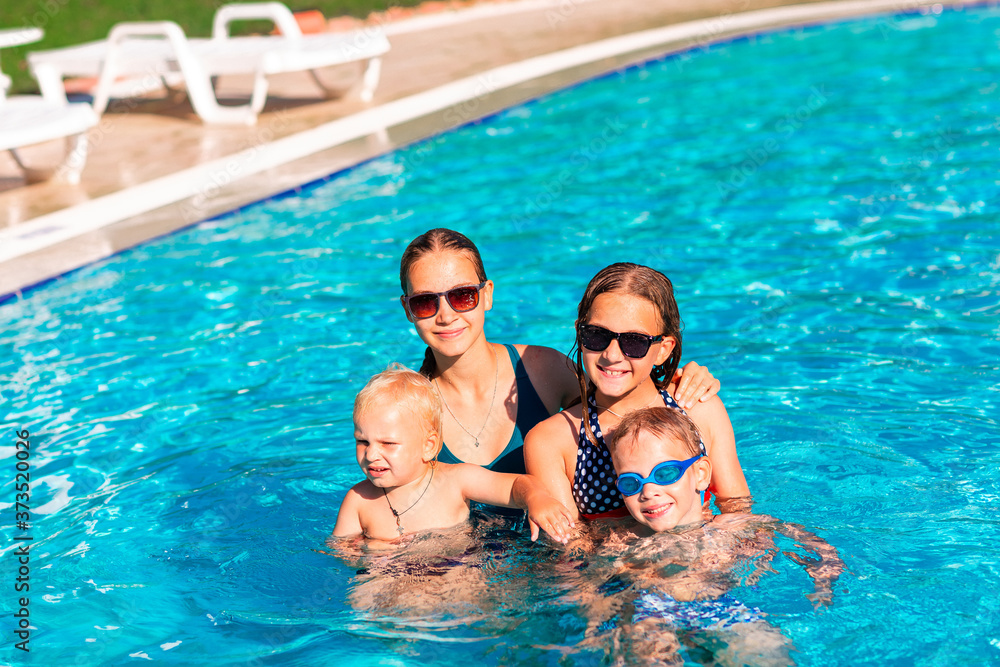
(825, 202)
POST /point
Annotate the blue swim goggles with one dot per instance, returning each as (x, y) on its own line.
(664, 474)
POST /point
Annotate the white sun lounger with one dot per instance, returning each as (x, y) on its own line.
(146, 52)
(30, 119)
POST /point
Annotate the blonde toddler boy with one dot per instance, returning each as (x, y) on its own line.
(397, 432)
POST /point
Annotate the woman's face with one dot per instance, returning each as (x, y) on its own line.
(448, 332)
(613, 374)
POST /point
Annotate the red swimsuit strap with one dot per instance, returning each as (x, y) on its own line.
(610, 514)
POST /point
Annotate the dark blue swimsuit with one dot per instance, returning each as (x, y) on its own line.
(530, 411)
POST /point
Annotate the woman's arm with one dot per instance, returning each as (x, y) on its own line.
(694, 383)
(728, 481)
(551, 374)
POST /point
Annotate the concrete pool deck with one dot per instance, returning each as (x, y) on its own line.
(155, 167)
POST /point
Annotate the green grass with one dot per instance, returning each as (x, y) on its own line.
(68, 22)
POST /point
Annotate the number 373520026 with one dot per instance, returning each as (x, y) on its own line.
(23, 479)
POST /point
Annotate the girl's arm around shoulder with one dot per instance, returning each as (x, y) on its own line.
(550, 457)
(509, 490)
(712, 420)
(349, 517)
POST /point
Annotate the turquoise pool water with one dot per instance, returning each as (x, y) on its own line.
(825, 201)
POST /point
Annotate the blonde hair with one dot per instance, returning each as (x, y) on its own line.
(406, 388)
(663, 422)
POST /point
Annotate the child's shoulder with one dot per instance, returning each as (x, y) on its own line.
(364, 490)
(565, 422)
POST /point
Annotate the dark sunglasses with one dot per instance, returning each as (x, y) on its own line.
(633, 345)
(663, 474)
(461, 299)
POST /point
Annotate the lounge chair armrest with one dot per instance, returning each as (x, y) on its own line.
(148, 31)
(166, 29)
(276, 12)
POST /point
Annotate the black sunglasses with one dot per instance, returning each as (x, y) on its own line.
(632, 345)
(461, 299)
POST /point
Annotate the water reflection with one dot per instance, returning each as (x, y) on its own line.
(614, 593)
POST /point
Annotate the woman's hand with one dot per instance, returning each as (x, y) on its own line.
(694, 383)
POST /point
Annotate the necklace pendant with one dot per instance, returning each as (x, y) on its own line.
(399, 529)
(477, 442)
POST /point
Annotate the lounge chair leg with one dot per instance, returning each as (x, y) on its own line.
(31, 174)
(328, 92)
(67, 171)
(76, 157)
(370, 79)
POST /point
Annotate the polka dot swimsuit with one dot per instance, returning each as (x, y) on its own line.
(594, 481)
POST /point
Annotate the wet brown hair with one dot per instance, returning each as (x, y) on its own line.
(645, 283)
(431, 241)
(663, 422)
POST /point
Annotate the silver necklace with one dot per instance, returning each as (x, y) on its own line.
(496, 376)
(399, 528)
(610, 410)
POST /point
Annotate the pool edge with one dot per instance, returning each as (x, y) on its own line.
(58, 243)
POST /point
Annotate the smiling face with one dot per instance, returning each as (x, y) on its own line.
(450, 333)
(615, 375)
(393, 448)
(662, 507)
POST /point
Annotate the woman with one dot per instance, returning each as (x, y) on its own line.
(493, 394)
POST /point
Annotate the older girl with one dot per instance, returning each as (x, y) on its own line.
(493, 394)
(628, 348)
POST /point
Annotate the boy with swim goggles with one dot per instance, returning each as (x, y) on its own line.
(661, 470)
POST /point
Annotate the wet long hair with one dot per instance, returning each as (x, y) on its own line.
(431, 241)
(645, 283)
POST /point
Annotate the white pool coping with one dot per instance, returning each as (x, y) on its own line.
(68, 224)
